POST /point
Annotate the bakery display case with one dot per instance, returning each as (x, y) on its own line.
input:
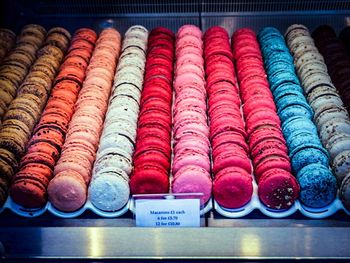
(252, 232)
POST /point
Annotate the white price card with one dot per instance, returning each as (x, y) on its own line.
(167, 213)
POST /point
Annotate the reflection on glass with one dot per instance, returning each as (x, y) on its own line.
(250, 245)
(95, 236)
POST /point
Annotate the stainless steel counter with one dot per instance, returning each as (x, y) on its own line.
(220, 238)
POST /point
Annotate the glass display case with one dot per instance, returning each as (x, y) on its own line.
(253, 237)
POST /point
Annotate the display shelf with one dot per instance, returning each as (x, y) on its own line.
(241, 239)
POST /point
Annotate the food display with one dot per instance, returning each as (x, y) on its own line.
(109, 189)
(25, 111)
(16, 63)
(67, 190)
(7, 41)
(309, 159)
(277, 187)
(152, 157)
(191, 163)
(232, 169)
(49, 133)
(255, 120)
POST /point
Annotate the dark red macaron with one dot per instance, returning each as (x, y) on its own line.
(278, 189)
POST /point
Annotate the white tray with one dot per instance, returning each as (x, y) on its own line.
(27, 212)
(255, 204)
(35, 212)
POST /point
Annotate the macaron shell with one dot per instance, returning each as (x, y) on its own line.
(278, 190)
(67, 191)
(232, 189)
(150, 181)
(109, 192)
(344, 192)
(193, 183)
(318, 186)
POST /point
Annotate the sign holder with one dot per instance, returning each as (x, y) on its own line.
(167, 210)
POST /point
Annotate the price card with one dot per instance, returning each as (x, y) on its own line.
(167, 213)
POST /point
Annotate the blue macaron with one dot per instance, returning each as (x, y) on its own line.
(287, 88)
(306, 155)
(318, 186)
(268, 31)
(300, 138)
(287, 100)
(282, 63)
(293, 111)
(281, 77)
(295, 124)
(293, 105)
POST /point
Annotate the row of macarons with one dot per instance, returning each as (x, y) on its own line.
(186, 47)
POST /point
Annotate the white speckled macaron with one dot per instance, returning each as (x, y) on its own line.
(124, 127)
(332, 127)
(113, 157)
(337, 144)
(133, 52)
(329, 112)
(302, 49)
(121, 101)
(134, 42)
(116, 114)
(117, 140)
(129, 77)
(322, 91)
(137, 31)
(308, 56)
(341, 165)
(295, 27)
(109, 190)
(314, 66)
(300, 40)
(326, 100)
(127, 90)
(136, 62)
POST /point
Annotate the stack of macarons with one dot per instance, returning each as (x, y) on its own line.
(191, 163)
(277, 187)
(153, 145)
(232, 171)
(67, 191)
(29, 187)
(309, 159)
(7, 41)
(109, 187)
(15, 65)
(336, 58)
(25, 110)
(345, 186)
(331, 117)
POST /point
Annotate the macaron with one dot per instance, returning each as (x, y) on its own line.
(278, 189)
(318, 187)
(308, 154)
(344, 192)
(341, 165)
(193, 179)
(67, 191)
(109, 189)
(232, 187)
(150, 180)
